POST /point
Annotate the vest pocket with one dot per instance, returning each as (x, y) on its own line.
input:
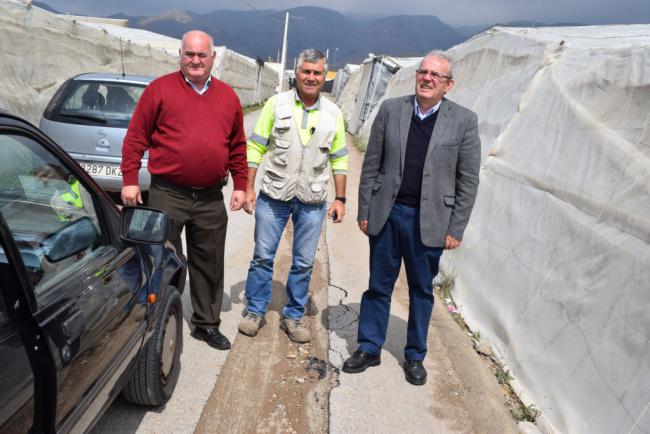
(273, 181)
(281, 127)
(318, 186)
(280, 153)
(322, 157)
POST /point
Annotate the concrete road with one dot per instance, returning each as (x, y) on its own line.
(461, 395)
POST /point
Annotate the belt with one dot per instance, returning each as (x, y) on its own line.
(159, 180)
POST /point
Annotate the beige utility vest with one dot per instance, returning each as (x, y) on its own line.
(294, 169)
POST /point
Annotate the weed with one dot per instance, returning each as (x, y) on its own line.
(446, 283)
(358, 142)
(525, 413)
(503, 376)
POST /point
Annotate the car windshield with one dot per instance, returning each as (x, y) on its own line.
(98, 103)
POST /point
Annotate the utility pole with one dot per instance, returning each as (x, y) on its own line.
(284, 54)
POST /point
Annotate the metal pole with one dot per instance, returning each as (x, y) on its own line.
(284, 54)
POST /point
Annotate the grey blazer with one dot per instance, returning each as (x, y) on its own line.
(450, 175)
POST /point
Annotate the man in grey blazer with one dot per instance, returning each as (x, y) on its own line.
(417, 189)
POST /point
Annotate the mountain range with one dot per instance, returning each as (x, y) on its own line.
(258, 33)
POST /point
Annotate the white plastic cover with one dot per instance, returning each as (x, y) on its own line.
(40, 50)
(554, 267)
(342, 77)
(375, 76)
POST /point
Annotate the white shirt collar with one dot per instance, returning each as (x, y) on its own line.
(196, 89)
(428, 113)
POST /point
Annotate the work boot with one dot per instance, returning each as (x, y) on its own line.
(415, 372)
(250, 324)
(295, 329)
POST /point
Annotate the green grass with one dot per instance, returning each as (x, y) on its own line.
(252, 108)
(503, 376)
(525, 414)
(359, 143)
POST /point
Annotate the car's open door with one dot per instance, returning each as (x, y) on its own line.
(27, 378)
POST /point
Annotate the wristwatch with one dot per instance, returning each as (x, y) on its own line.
(340, 198)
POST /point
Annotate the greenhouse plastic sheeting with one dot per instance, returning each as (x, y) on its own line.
(554, 269)
(41, 50)
(342, 77)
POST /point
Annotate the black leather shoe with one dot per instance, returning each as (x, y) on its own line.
(213, 337)
(415, 372)
(360, 361)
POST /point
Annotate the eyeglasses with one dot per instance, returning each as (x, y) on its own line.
(421, 73)
(191, 54)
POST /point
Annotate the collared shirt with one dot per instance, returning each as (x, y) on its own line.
(428, 113)
(306, 119)
(196, 89)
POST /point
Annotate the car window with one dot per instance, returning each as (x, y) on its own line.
(50, 213)
(98, 103)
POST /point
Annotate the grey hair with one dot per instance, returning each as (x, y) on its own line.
(186, 35)
(442, 55)
(310, 55)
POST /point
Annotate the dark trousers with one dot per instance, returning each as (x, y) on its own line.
(203, 214)
(399, 239)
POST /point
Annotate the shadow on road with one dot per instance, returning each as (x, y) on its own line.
(343, 319)
(129, 420)
(236, 296)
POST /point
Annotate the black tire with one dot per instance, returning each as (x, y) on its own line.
(156, 374)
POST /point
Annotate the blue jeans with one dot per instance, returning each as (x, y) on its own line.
(399, 239)
(271, 217)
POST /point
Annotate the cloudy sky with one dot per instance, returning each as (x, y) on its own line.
(455, 12)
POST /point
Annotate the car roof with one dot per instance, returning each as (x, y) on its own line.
(115, 77)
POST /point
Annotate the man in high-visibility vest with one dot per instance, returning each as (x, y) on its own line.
(68, 201)
(301, 135)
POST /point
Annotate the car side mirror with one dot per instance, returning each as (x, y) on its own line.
(143, 225)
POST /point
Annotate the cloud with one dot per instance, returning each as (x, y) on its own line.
(459, 12)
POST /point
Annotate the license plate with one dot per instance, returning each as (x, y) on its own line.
(95, 169)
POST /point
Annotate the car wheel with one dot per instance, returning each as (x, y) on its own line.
(159, 364)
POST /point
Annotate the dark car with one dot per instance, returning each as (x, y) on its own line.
(89, 305)
(88, 117)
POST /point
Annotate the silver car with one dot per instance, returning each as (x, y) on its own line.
(88, 117)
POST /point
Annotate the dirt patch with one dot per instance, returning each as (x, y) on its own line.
(270, 384)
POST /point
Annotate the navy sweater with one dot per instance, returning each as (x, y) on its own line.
(417, 145)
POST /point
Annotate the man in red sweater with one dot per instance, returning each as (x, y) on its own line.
(193, 127)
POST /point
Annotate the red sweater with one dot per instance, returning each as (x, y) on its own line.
(193, 140)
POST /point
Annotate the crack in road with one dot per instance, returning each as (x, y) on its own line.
(346, 309)
(335, 314)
